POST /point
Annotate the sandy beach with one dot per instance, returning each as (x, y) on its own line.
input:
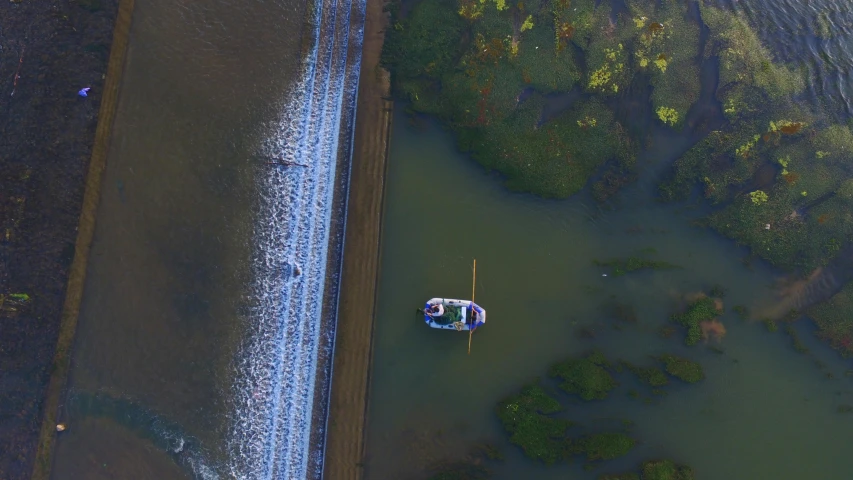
(345, 440)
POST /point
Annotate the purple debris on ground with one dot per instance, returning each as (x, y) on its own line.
(84, 92)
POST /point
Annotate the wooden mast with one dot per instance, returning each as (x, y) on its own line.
(473, 289)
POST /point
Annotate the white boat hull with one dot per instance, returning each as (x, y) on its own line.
(457, 314)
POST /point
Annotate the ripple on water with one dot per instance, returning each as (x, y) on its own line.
(813, 36)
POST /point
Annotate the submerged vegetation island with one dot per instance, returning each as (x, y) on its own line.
(539, 419)
(530, 88)
(700, 319)
(548, 91)
(556, 95)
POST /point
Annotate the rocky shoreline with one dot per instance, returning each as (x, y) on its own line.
(48, 52)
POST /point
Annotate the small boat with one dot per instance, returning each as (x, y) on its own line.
(452, 314)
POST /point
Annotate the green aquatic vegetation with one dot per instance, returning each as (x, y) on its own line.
(741, 311)
(526, 416)
(745, 64)
(784, 163)
(574, 21)
(792, 230)
(603, 446)
(610, 74)
(609, 69)
(543, 66)
(758, 197)
(771, 325)
(703, 309)
(488, 86)
(483, 68)
(665, 45)
(556, 159)
(668, 115)
(834, 319)
(834, 143)
(621, 172)
(845, 190)
(499, 4)
(721, 160)
(798, 345)
(682, 368)
(587, 122)
(651, 376)
(587, 377)
(786, 127)
(621, 266)
(745, 149)
(425, 42)
(824, 26)
(665, 470)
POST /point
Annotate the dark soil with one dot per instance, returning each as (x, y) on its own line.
(46, 135)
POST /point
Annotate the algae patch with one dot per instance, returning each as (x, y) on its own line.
(587, 377)
(603, 446)
(527, 417)
(489, 71)
(704, 309)
(682, 368)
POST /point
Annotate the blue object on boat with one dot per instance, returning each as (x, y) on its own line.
(84, 92)
(457, 314)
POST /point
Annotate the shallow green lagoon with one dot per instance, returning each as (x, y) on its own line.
(764, 410)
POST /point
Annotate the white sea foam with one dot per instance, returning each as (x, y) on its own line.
(275, 387)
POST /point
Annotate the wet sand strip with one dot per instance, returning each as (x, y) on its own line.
(345, 437)
(85, 233)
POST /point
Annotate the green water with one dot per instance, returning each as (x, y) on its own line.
(764, 410)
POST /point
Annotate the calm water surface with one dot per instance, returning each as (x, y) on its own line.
(764, 411)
